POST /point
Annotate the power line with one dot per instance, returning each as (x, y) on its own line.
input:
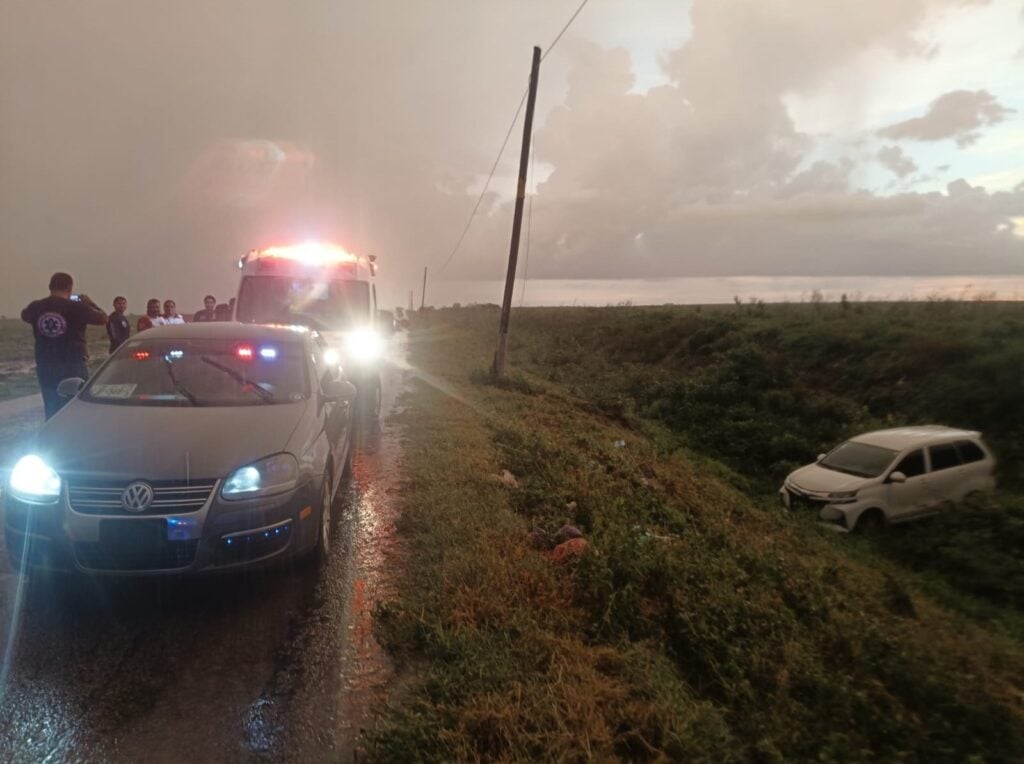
(564, 29)
(486, 183)
(504, 143)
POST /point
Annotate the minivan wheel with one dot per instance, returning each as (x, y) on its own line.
(870, 521)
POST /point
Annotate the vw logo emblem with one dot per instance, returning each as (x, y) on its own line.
(137, 496)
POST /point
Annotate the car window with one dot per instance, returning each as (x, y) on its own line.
(201, 372)
(858, 459)
(970, 452)
(944, 457)
(912, 464)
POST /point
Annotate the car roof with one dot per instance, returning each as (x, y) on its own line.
(225, 330)
(899, 438)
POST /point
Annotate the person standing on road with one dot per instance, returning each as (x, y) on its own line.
(171, 314)
(209, 311)
(118, 326)
(152, 317)
(58, 323)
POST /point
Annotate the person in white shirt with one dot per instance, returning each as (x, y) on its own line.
(171, 315)
(152, 317)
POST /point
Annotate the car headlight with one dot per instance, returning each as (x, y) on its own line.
(32, 479)
(364, 345)
(275, 474)
(843, 496)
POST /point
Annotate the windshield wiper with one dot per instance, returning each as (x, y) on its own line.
(263, 393)
(179, 386)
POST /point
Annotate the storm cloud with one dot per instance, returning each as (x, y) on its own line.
(145, 145)
(959, 115)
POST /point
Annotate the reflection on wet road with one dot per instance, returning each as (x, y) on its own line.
(280, 664)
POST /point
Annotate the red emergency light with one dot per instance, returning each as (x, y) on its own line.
(141, 355)
(310, 253)
(245, 352)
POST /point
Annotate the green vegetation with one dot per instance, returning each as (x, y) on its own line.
(702, 622)
(17, 359)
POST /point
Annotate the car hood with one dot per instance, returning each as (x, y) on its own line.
(162, 442)
(814, 477)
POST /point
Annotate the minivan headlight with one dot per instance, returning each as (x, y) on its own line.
(32, 479)
(275, 474)
(843, 496)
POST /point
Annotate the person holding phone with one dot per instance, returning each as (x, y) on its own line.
(58, 324)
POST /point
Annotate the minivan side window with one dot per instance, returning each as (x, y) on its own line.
(970, 452)
(912, 464)
(944, 456)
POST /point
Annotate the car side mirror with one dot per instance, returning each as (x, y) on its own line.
(897, 477)
(338, 390)
(68, 388)
(820, 457)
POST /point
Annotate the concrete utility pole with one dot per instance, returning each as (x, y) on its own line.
(423, 294)
(410, 301)
(500, 355)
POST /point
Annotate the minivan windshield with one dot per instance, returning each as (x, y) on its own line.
(858, 459)
(323, 305)
(203, 372)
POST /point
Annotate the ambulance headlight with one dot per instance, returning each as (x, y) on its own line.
(364, 345)
(34, 480)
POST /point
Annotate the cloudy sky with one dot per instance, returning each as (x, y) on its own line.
(145, 145)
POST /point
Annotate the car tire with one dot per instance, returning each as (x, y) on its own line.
(346, 470)
(322, 550)
(870, 521)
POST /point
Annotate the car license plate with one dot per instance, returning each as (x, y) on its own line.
(138, 535)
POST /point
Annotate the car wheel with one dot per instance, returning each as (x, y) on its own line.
(323, 537)
(346, 470)
(870, 521)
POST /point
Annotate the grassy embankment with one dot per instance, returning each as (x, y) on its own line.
(17, 359)
(703, 622)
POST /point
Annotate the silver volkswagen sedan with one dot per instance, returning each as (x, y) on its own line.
(194, 448)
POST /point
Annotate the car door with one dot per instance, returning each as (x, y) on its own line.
(945, 474)
(911, 497)
(335, 414)
(976, 469)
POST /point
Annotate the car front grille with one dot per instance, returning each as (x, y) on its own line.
(170, 497)
(800, 500)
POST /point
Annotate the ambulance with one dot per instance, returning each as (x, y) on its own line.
(328, 289)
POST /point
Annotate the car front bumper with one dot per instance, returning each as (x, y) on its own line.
(221, 535)
(841, 514)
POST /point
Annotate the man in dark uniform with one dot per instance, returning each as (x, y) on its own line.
(58, 323)
(119, 328)
(209, 311)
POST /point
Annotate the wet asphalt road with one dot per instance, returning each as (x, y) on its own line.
(279, 665)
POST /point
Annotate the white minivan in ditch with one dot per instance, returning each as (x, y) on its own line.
(891, 476)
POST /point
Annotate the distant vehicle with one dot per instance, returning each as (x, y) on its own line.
(195, 447)
(892, 476)
(326, 288)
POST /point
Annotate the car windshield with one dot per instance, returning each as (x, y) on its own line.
(330, 305)
(858, 459)
(204, 372)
